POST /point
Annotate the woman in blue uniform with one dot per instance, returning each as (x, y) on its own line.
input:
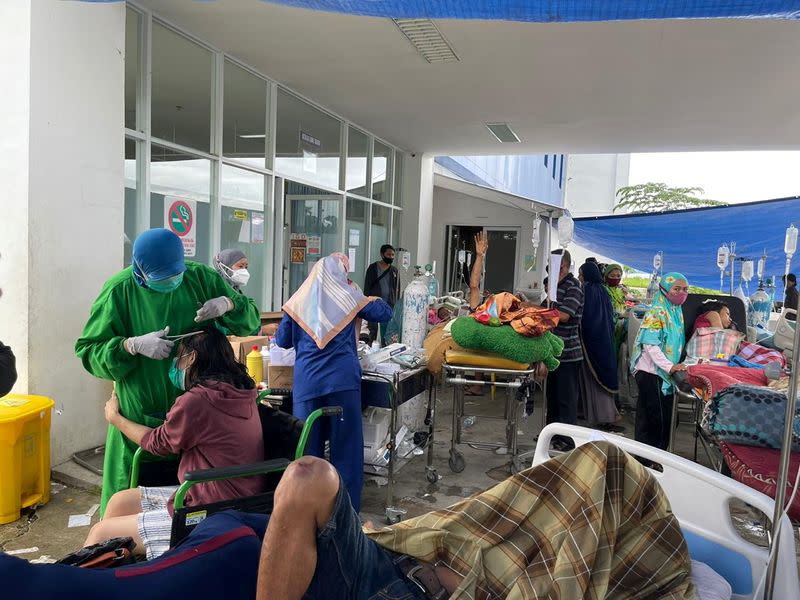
(320, 324)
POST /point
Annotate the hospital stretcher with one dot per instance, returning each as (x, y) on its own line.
(496, 372)
(700, 499)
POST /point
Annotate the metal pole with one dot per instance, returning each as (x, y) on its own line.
(783, 471)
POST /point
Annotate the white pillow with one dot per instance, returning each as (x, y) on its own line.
(709, 585)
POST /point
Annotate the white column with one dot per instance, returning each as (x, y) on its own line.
(15, 37)
(62, 153)
(418, 206)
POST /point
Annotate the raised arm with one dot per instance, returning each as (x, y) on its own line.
(481, 247)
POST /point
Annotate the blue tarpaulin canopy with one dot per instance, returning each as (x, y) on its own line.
(690, 238)
(547, 11)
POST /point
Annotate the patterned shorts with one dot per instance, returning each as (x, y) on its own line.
(155, 522)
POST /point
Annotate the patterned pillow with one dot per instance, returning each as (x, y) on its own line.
(752, 416)
(710, 342)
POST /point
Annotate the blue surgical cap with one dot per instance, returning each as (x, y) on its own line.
(157, 254)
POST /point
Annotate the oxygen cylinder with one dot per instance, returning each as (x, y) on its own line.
(415, 311)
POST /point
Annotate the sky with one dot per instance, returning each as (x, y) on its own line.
(728, 176)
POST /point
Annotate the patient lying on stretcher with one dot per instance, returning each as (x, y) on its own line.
(590, 523)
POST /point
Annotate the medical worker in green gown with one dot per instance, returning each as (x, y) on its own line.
(127, 337)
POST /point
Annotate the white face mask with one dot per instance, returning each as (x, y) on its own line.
(240, 277)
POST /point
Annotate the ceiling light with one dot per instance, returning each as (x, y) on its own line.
(427, 39)
(503, 133)
(252, 136)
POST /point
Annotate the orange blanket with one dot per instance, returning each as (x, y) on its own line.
(524, 318)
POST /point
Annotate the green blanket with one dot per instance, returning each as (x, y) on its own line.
(506, 342)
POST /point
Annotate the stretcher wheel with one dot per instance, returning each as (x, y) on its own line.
(394, 515)
(432, 475)
(456, 461)
(516, 465)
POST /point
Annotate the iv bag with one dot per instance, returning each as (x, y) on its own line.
(658, 261)
(722, 256)
(535, 232)
(566, 229)
(790, 243)
(747, 270)
(762, 265)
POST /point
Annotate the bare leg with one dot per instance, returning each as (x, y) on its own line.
(126, 502)
(304, 503)
(116, 527)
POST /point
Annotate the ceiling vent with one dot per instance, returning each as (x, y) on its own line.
(503, 133)
(427, 39)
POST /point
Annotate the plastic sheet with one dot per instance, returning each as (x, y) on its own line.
(555, 10)
(690, 238)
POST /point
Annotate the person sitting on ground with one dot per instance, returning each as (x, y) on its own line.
(713, 313)
(215, 423)
(791, 295)
(592, 523)
(656, 355)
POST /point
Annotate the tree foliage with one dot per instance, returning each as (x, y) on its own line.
(658, 197)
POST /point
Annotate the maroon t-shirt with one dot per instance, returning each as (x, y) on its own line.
(212, 425)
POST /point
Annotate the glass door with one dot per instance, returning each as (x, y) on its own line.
(314, 230)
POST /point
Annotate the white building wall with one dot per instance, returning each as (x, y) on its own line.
(590, 191)
(418, 204)
(593, 181)
(70, 222)
(454, 208)
(15, 38)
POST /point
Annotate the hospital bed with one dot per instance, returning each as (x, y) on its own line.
(700, 500)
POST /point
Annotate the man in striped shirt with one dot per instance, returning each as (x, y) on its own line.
(562, 384)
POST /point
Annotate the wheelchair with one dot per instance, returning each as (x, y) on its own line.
(285, 439)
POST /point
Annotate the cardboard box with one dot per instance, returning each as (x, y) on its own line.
(281, 377)
(242, 345)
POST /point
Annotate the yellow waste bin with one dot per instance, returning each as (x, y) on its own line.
(24, 453)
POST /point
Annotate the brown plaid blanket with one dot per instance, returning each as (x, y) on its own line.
(592, 523)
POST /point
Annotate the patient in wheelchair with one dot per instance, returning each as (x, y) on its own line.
(215, 423)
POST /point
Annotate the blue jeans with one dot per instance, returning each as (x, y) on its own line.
(350, 566)
(346, 436)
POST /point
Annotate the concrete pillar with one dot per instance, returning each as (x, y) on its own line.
(417, 193)
(62, 239)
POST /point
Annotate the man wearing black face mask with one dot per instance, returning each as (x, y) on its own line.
(381, 280)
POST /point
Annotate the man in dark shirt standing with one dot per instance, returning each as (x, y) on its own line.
(381, 280)
(562, 384)
(790, 299)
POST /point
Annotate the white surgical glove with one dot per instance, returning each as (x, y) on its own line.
(152, 345)
(216, 307)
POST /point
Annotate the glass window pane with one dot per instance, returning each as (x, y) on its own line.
(133, 28)
(397, 224)
(131, 199)
(398, 179)
(381, 167)
(182, 80)
(244, 225)
(244, 122)
(356, 238)
(307, 142)
(357, 145)
(180, 199)
(313, 229)
(379, 230)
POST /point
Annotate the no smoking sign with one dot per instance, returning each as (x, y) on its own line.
(179, 218)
